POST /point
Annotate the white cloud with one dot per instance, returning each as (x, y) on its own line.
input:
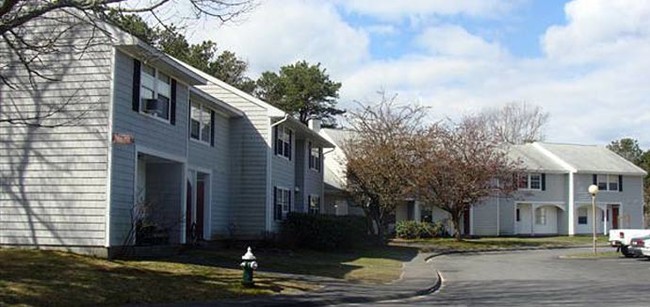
(282, 32)
(452, 40)
(599, 30)
(391, 9)
(590, 77)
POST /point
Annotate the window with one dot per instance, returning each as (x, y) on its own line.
(282, 203)
(283, 140)
(607, 182)
(530, 181)
(155, 92)
(540, 216)
(201, 123)
(314, 157)
(582, 216)
(314, 204)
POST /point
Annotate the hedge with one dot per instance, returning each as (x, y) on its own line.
(323, 232)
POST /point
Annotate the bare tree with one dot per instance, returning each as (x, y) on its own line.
(459, 166)
(26, 53)
(514, 123)
(379, 161)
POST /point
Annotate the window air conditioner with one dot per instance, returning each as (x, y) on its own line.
(153, 106)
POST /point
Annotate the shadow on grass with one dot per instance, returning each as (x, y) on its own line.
(307, 262)
(58, 279)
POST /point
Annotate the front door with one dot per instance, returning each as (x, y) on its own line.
(614, 217)
(200, 203)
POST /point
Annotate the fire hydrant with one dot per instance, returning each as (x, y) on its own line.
(248, 265)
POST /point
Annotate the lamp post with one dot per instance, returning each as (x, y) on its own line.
(593, 190)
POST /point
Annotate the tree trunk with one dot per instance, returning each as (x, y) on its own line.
(455, 220)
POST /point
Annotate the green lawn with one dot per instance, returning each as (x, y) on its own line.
(607, 254)
(30, 277)
(364, 265)
(491, 243)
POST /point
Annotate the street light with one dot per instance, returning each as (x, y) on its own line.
(593, 190)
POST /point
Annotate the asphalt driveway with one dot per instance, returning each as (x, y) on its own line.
(537, 277)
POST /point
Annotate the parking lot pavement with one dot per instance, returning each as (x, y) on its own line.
(537, 278)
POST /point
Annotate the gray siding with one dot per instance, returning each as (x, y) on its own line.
(249, 150)
(149, 133)
(216, 159)
(557, 189)
(484, 217)
(313, 180)
(53, 188)
(283, 172)
(631, 198)
(300, 204)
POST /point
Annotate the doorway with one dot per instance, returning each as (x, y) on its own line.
(197, 201)
(615, 215)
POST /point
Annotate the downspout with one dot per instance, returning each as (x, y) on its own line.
(269, 201)
(572, 226)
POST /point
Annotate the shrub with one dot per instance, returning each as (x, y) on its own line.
(323, 232)
(419, 230)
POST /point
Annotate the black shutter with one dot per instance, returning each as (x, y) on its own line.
(595, 179)
(276, 205)
(290, 143)
(136, 85)
(309, 204)
(172, 115)
(620, 183)
(212, 128)
(275, 139)
(543, 182)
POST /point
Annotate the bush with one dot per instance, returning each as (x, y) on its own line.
(323, 232)
(419, 230)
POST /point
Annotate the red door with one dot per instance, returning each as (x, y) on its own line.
(614, 217)
(200, 196)
(188, 214)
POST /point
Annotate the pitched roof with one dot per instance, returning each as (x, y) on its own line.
(534, 160)
(592, 159)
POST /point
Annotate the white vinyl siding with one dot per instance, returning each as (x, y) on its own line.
(54, 180)
(249, 142)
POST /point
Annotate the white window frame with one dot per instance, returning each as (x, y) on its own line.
(540, 216)
(528, 177)
(202, 126)
(315, 160)
(157, 89)
(283, 198)
(586, 216)
(607, 181)
(283, 135)
(314, 202)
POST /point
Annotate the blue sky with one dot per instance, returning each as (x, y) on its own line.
(583, 61)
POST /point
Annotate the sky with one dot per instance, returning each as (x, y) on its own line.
(585, 62)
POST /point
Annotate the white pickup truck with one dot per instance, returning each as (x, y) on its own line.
(621, 239)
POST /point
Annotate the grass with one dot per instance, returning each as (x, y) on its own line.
(30, 277)
(492, 243)
(372, 265)
(590, 255)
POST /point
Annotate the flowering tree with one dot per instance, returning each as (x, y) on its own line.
(459, 166)
(379, 158)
